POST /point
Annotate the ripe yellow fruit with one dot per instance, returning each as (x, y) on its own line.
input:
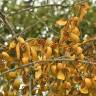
(16, 84)
(38, 74)
(75, 19)
(6, 55)
(79, 50)
(84, 90)
(76, 31)
(49, 52)
(34, 53)
(81, 68)
(26, 70)
(60, 75)
(88, 82)
(60, 66)
(75, 45)
(74, 37)
(81, 56)
(7, 58)
(12, 75)
(37, 67)
(61, 22)
(54, 69)
(21, 40)
(56, 51)
(18, 50)
(25, 60)
(12, 45)
(28, 50)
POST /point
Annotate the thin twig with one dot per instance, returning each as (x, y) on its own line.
(41, 21)
(33, 7)
(45, 24)
(46, 5)
(34, 62)
(27, 28)
(45, 61)
(7, 24)
(89, 40)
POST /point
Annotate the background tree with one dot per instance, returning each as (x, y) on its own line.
(37, 18)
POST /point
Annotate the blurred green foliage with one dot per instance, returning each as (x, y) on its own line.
(28, 17)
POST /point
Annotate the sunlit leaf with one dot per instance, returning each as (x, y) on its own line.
(38, 74)
(61, 22)
(60, 75)
(84, 90)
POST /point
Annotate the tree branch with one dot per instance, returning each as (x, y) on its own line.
(33, 7)
(46, 5)
(7, 24)
(46, 61)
